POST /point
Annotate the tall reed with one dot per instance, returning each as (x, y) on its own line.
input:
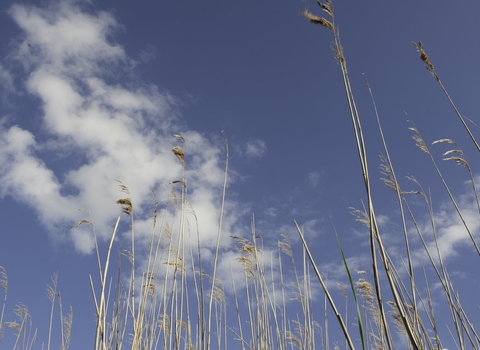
(167, 295)
(409, 303)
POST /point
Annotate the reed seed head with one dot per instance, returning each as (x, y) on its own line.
(14, 325)
(67, 322)
(81, 222)
(328, 8)
(180, 138)
(285, 246)
(126, 204)
(342, 290)
(366, 290)
(424, 57)
(419, 142)
(459, 161)
(163, 323)
(317, 20)
(396, 317)
(247, 266)
(178, 151)
(289, 336)
(122, 187)
(444, 141)
(361, 216)
(3, 279)
(387, 171)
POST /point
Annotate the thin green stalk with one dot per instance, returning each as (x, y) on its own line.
(352, 286)
(325, 289)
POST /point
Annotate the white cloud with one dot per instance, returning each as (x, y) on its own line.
(256, 149)
(118, 132)
(452, 237)
(29, 180)
(6, 82)
(314, 178)
(65, 39)
(450, 230)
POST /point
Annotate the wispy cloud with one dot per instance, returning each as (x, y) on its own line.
(6, 82)
(314, 178)
(256, 149)
(148, 54)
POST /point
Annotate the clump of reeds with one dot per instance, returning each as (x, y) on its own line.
(405, 309)
(181, 302)
(408, 301)
(178, 300)
(25, 335)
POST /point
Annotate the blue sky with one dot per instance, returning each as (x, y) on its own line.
(92, 92)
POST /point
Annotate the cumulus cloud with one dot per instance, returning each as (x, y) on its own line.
(65, 39)
(111, 127)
